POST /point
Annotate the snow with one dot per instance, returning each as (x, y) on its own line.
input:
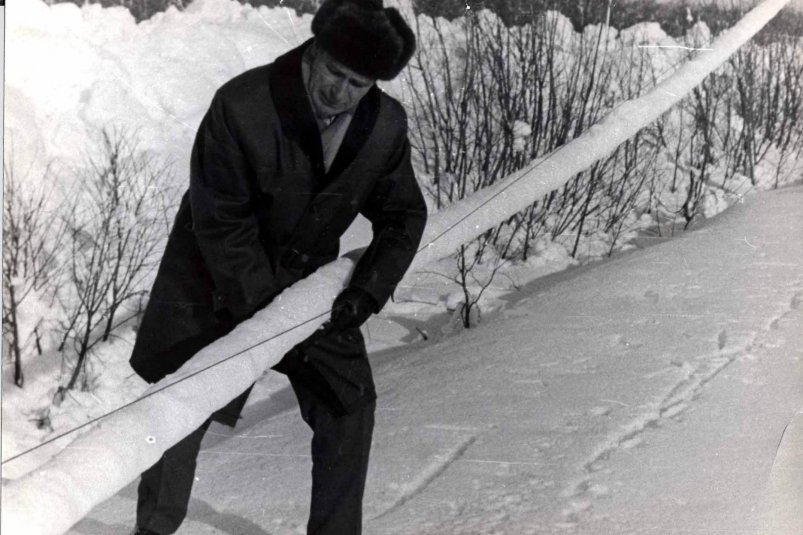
(77, 53)
(116, 72)
(646, 33)
(33, 415)
(786, 479)
(647, 393)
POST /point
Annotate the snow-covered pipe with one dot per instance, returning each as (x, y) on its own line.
(49, 500)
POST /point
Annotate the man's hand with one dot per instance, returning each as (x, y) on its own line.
(351, 308)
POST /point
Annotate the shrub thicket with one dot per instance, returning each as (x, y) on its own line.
(487, 98)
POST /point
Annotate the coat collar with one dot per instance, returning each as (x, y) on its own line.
(298, 122)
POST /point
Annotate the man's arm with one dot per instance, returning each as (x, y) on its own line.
(223, 220)
(398, 214)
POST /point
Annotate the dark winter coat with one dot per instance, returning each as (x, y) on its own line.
(261, 213)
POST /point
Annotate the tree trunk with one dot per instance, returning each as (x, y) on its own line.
(19, 377)
(82, 352)
(38, 338)
(109, 323)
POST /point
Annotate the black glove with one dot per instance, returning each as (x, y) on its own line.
(351, 308)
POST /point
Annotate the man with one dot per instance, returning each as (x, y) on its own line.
(286, 157)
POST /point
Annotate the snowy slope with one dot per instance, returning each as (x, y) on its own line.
(647, 393)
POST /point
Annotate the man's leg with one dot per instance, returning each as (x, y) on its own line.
(340, 447)
(164, 489)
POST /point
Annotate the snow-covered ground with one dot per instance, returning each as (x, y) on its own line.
(532, 421)
(645, 394)
(73, 71)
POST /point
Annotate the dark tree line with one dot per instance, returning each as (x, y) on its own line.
(675, 17)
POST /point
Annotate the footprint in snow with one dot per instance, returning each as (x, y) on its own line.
(722, 340)
(600, 410)
(599, 491)
(570, 514)
(632, 443)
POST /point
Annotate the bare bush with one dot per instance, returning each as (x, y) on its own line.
(471, 283)
(116, 225)
(488, 99)
(30, 232)
(742, 121)
(768, 99)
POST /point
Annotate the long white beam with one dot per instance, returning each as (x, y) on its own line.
(49, 500)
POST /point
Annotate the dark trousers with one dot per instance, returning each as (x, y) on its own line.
(340, 447)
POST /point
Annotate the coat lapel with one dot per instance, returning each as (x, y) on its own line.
(293, 107)
(360, 128)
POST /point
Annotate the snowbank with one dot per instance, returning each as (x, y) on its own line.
(72, 71)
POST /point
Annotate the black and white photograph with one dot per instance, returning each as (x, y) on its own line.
(402, 267)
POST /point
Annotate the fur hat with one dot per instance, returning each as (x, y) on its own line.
(364, 36)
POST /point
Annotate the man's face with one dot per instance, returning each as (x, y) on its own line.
(333, 87)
